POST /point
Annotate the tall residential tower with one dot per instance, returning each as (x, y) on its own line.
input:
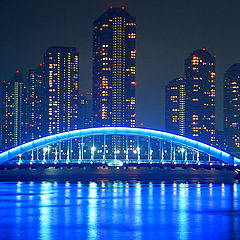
(232, 108)
(14, 99)
(38, 103)
(200, 96)
(62, 74)
(114, 54)
(175, 106)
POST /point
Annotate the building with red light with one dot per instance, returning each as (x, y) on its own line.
(175, 95)
(114, 69)
(62, 74)
(85, 110)
(232, 108)
(38, 103)
(13, 112)
(200, 96)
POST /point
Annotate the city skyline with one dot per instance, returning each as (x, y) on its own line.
(120, 119)
(152, 73)
(57, 108)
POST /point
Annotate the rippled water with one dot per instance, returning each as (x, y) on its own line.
(119, 210)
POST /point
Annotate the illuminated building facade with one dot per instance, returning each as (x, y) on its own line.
(232, 108)
(20, 113)
(7, 115)
(85, 110)
(200, 96)
(175, 106)
(14, 112)
(38, 103)
(114, 70)
(62, 74)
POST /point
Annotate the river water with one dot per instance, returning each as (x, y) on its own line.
(119, 210)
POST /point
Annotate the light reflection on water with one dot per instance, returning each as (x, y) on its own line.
(119, 210)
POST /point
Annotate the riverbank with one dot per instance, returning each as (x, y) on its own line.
(118, 173)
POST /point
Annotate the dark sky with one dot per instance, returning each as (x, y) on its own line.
(167, 32)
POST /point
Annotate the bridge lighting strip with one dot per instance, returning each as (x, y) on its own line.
(41, 142)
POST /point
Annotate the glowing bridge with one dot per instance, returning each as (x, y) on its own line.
(117, 146)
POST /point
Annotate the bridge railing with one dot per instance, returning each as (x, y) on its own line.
(120, 144)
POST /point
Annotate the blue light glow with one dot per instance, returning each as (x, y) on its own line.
(41, 142)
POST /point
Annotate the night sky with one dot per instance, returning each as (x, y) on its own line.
(167, 32)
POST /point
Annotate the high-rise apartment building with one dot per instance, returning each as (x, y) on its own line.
(114, 54)
(62, 74)
(20, 113)
(14, 112)
(7, 117)
(200, 96)
(175, 106)
(85, 110)
(232, 108)
(38, 103)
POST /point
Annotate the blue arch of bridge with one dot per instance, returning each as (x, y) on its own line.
(38, 143)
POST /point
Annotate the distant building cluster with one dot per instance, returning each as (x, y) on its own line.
(48, 100)
(190, 103)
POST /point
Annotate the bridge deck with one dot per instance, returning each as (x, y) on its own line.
(74, 172)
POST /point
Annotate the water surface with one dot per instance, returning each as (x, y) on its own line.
(119, 210)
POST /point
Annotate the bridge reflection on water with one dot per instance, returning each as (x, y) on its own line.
(119, 210)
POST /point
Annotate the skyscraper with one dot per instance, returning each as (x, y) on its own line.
(20, 109)
(175, 106)
(200, 96)
(85, 110)
(62, 74)
(114, 70)
(232, 108)
(7, 117)
(14, 110)
(38, 103)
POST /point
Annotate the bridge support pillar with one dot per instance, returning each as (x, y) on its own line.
(104, 147)
(138, 148)
(79, 151)
(171, 157)
(44, 155)
(48, 152)
(56, 152)
(60, 150)
(149, 149)
(71, 150)
(197, 156)
(20, 157)
(126, 147)
(174, 152)
(115, 148)
(68, 152)
(32, 156)
(37, 155)
(92, 148)
(160, 150)
(82, 144)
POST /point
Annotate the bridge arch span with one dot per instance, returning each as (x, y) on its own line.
(39, 143)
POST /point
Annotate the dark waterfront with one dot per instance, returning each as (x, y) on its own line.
(119, 210)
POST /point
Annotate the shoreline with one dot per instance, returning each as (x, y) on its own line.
(118, 173)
